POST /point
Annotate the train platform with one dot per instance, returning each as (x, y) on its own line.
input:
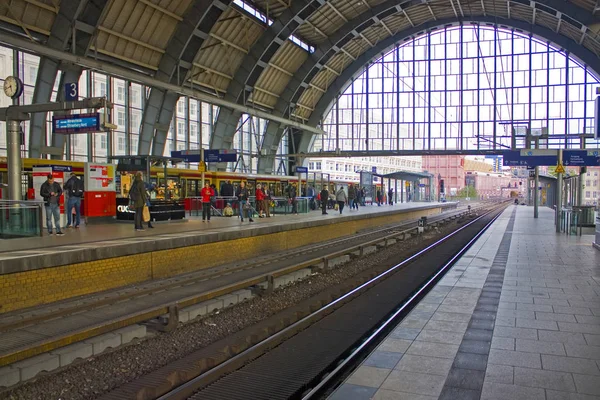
(517, 317)
(95, 258)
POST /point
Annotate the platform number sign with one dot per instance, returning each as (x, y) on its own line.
(71, 91)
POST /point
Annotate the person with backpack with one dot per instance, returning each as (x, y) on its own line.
(74, 189)
(137, 194)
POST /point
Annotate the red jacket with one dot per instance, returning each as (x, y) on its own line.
(260, 195)
(206, 194)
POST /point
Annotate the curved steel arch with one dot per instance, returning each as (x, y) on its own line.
(255, 62)
(352, 29)
(319, 58)
(174, 65)
(341, 82)
(88, 12)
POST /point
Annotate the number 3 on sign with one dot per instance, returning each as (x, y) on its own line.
(71, 91)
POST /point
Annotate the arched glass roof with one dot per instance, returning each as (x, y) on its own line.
(464, 88)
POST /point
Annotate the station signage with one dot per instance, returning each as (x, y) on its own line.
(301, 170)
(581, 158)
(76, 123)
(529, 158)
(218, 155)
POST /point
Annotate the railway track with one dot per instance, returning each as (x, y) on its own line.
(167, 297)
(287, 355)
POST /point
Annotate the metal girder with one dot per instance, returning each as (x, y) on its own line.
(342, 82)
(59, 38)
(270, 144)
(255, 61)
(137, 77)
(149, 118)
(174, 67)
(164, 119)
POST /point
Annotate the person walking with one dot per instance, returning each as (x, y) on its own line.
(391, 197)
(74, 189)
(207, 194)
(137, 193)
(351, 196)
(244, 201)
(341, 198)
(378, 195)
(51, 192)
(324, 197)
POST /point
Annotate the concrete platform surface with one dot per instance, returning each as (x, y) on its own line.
(101, 241)
(518, 317)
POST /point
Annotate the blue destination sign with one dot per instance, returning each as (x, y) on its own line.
(515, 158)
(76, 123)
(581, 158)
(193, 156)
(301, 169)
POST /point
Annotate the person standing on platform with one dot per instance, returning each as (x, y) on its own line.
(267, 201)
(378, 197)
(324, 197)
(292, 193)
(260, 200)
(149, 188)
(391, 197)
(244, 201)
(227, 189)
(207, 194)
(341, 198)
(74, 189)
(351, 196)
(137, 193)
(51, 192)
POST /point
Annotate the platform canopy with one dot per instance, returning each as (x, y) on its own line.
(406, 176)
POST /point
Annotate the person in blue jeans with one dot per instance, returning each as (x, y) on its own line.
(74, 188)
(51, 192)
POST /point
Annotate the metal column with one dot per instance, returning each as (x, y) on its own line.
(14, 159)
(559, 192)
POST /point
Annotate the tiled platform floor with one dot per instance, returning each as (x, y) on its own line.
(529, 329)
(94, 233)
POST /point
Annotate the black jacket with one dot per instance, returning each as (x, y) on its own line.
(47, 188)
(242, 194)
(74, 187)
(227, 190)
(324, 195)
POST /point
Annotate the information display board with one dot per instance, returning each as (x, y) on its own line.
(76, 123)
(193, 156)
(99, 177)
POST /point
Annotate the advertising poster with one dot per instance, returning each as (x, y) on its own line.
(100, 177)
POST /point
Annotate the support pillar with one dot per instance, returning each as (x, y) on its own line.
(14, 159)
(536, 186)
(559, 186)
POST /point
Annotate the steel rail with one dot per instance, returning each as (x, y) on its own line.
(172, 308)
(326, 381)
(68, 310)
(187, 389)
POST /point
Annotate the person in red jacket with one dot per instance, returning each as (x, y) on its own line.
(260, 201)
(206, 194)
